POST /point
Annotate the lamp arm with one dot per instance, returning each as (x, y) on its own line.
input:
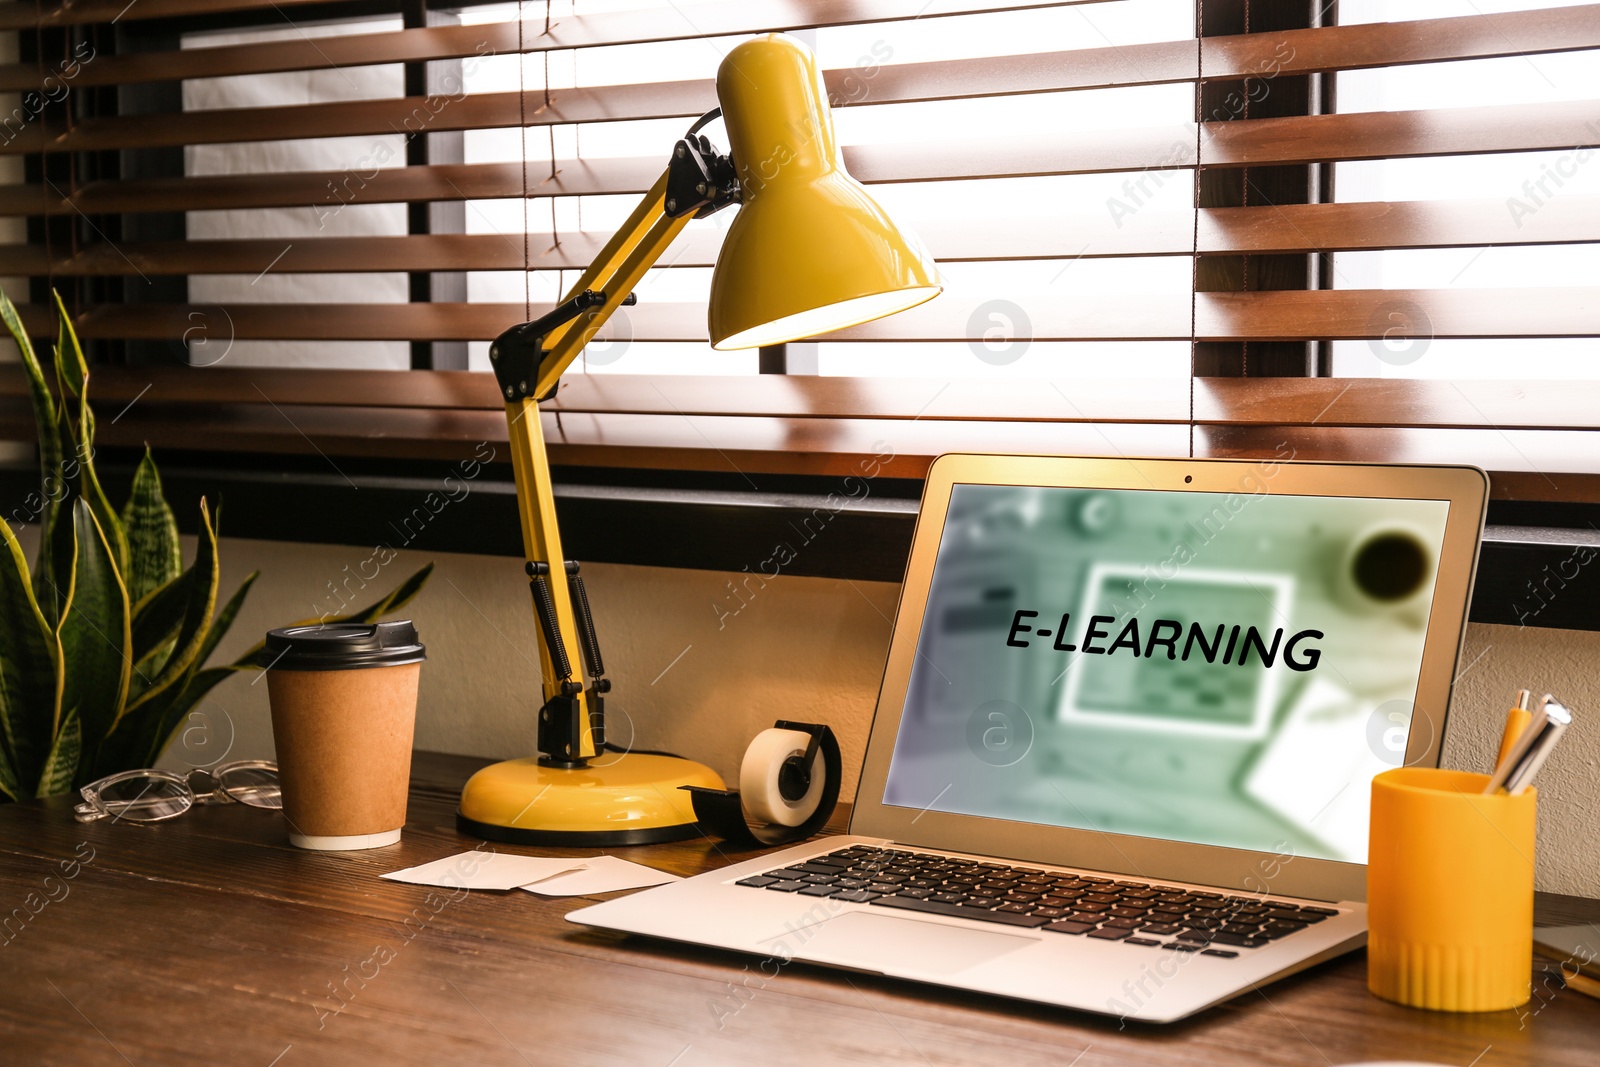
(528, 362)
(530, 358)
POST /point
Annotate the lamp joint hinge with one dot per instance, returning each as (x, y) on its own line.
(517, 354)
(700, 179)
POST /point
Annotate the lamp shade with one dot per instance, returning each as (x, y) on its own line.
(809, 251)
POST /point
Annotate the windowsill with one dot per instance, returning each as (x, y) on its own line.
(1527, 575)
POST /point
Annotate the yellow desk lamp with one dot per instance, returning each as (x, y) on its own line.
(809, 252)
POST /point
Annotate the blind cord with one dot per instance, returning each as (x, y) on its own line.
(1244, 200)
(522, 152)
(1194, 280)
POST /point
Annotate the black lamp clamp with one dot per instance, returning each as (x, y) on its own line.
(720, 811)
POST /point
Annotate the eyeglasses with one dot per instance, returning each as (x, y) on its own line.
(152, 795)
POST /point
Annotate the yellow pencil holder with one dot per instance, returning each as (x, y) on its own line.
(1449, 892)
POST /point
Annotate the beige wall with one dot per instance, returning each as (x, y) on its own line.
(802, 648)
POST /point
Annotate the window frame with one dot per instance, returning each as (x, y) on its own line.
(750, 451)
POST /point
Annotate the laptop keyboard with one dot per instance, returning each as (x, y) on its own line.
(1130, 912)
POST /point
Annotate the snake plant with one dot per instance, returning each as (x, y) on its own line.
(104, 641)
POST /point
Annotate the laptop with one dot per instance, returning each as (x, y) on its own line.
(1122, 748)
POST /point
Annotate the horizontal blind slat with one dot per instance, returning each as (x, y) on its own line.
(1397, 402)
(1375, 314)
(22, 15)
(1546, 464)
(467, 42)
(1113, 400)
(1099, 68)
(329, 190)
(1257, 142)
(405, 116)
(1403, 43)
(1260, 54)
(1371, 226)
(1266, 402)
(650, 441)
(1106, 318)
(577, 31)
(1288, 228)
(1402, 134)
(1277, 315)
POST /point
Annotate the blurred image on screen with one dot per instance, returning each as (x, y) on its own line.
(1221, 668)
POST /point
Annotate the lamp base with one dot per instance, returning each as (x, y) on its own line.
(633, 800)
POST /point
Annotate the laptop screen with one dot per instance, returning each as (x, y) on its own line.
(1220, 668)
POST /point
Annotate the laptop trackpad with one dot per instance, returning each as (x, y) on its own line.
(880, 942)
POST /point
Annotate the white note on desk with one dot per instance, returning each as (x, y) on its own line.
(603, 874)
(481, 869)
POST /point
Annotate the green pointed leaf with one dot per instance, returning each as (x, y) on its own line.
(149, 731)
(44, 404)
(72, 373)
(224, 620)
(52, 569)
(30, 662)
(62, 765)
(95, 632)
(91, 490)
(142, 736)
(18, 743)
(139, 738)
(155, 554)
(156, 619)
(55, 483)
(154, 558)
(176, 706)
(401, 595)
(13, 321)
(71, 368)
(10, 788)
(398, 598)
(205, 681)
(202, 601)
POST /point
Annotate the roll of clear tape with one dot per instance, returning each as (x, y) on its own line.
(758, 778)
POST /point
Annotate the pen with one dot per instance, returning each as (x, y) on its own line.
(1559, 719)
(1516, 771)
(1517, 720)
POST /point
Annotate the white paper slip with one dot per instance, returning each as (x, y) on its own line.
(603, 874)
(486, 870)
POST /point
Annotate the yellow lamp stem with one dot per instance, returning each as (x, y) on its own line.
(809, 252)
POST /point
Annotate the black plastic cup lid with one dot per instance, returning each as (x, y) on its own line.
(341, 646)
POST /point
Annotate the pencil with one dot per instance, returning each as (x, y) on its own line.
(1582, 983)
(1517, 720)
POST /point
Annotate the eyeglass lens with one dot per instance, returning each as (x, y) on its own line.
(256, 786)
(142, 799)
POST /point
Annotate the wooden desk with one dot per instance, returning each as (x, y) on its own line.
(208, 940)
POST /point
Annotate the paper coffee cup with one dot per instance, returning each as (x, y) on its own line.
(344, 705)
